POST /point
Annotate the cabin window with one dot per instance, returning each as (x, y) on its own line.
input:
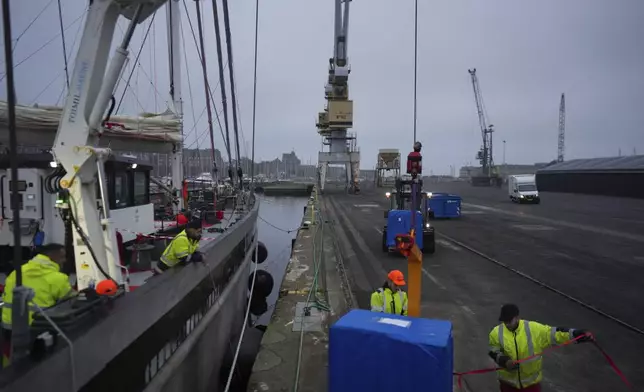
(141, 192)
(121, 190)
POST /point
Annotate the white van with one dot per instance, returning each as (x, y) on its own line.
(522, 188)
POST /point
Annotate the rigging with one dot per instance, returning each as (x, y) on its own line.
(205, 80)
(229, 49)
(194, 37)
(62, 34)
(222, 82)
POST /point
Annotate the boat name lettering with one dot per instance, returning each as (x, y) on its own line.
(82, 74)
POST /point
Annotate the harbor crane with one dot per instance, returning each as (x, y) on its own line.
(333, 123)
(485, 155)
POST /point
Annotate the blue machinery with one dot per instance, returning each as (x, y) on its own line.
(400, 220)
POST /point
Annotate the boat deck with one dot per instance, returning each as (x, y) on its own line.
(138, 277)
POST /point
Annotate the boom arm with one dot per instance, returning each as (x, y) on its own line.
(485, 155)
(90, 90)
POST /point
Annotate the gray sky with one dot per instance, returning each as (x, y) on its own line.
(526, 55)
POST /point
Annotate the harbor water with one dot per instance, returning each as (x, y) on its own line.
(278, 222)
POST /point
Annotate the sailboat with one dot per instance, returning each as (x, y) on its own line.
(160, 333)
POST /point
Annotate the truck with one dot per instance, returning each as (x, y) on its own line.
(522, 188)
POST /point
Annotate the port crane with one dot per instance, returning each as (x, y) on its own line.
(337, 117)
(485, 154)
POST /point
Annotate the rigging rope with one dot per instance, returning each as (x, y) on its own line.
(222, 82)
(136, 61)
(15, 43)
(194, 37)
(62, 33)
(229, 49)
(62, 90)
(232, 368)
(205, 81)
(44, 45)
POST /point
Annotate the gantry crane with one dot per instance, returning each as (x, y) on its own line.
(337, 117)
(485, 155)
(561, 146)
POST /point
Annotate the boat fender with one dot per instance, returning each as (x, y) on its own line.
(262, 252)
(263, 284)
(258, 305)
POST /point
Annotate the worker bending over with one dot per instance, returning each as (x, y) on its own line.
(391, 298)
(182, 249)
(42, 275)
(516, 339)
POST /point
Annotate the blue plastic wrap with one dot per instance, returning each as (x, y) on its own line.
(372, 352)
(399, 222)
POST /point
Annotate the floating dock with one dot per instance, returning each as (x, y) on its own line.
(284, 189)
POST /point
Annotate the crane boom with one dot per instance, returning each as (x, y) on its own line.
(80, 128)
(484, 155)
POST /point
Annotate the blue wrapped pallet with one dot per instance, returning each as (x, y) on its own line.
(371, 351)
(444, 205)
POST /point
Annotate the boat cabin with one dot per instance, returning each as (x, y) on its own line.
(128, 189)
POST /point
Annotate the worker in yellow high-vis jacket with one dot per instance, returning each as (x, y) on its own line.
(516, 339)
(182, 249)
(391, 298)
(41, 274)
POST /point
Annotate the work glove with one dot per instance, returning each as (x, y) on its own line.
(196, 257)
(507, 362)
(587, 336)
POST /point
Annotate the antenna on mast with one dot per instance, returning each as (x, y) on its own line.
(562, 130)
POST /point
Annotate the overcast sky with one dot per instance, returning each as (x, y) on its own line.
(526, 54)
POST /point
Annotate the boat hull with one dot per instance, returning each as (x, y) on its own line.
(170, 334)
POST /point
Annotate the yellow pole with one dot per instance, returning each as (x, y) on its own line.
(414, 279)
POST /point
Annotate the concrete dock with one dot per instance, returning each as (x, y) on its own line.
(586, 247)
(313, 294)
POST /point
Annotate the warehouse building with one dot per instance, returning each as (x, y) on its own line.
(618, 176)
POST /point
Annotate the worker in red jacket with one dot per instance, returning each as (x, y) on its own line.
(414, 161)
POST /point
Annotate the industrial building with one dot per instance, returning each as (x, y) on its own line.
(466, 172)
(618, 176)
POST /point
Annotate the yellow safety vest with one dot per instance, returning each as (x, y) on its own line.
(530, 338)
(180, 247)
(43, 276)
(384, 300)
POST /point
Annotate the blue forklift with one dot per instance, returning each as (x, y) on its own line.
(399, 217)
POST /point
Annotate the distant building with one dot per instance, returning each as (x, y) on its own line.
(291, 164)
(504, 170)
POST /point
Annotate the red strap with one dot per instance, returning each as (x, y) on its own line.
(610, 361)
(614, 366)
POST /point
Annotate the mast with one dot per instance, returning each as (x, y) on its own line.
(174, 50)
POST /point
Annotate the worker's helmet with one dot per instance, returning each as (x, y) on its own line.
(417, 146)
